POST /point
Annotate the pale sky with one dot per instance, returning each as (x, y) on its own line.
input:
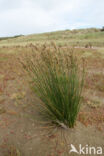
(37, 16)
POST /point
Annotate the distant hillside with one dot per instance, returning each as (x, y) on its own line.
(77, 37)
(5, 38)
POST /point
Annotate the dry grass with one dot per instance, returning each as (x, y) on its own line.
(57, 80)
(82, 37)
(13, 151)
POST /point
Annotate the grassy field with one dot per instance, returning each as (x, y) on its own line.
(23, 131)
(80, 37)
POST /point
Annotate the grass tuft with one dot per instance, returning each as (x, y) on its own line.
(57, 81)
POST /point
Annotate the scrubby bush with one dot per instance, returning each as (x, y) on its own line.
(57, 81)
(102, 28)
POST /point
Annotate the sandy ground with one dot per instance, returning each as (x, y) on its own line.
(24, 132)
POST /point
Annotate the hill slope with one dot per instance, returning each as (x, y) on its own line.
(79, 37)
